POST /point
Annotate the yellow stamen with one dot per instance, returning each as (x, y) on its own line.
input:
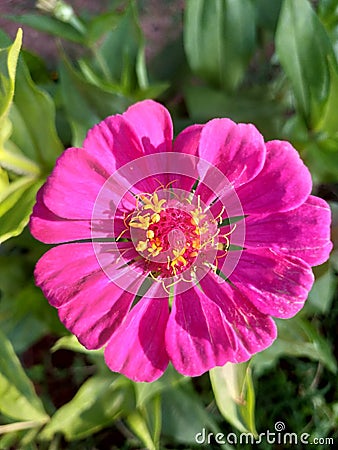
(143, 222)
(141, 246)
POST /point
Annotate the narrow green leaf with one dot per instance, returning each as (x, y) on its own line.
(234, 394)
(4, 181)
(328, 123)
(303, 48)
(219, 38)
(122, 51)
(49, 25)
(146, 423)
(18, 399)
(98, 403)
(8, 61)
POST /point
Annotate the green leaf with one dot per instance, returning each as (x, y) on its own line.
(122, 52)
(98, 403)
(100, 25)
(49, 25)
(323, 291)
(33, 118)
(298, 338)
(8, 62)
(328, 123)
(86, 104)
(219, 38)
(145, 391)
(235, 396)
(70, 342)
(18, 399)
(303, 49)
(184, 415)
(146, 423)
(17, 207)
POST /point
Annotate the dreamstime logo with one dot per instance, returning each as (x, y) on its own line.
(278, 436)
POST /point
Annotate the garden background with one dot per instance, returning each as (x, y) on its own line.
(269, 62)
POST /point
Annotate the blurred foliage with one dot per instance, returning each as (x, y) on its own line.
(272, 63)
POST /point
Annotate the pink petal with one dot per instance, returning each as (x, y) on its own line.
(254, 330)
(276, 284)
(237, 150)
(152, 124)
(283, 184)
(96, 311)
(113, 143)
(198, 335)
(71, 190)
(65, 271)
(303, 232)
(188, 140)
(137, 348)
(52, 229)
(211, 328)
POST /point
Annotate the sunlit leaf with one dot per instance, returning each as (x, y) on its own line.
(18, 399)
(235, 396)
(8, 61)
(219, 39)
(98, 403)
(17, 207)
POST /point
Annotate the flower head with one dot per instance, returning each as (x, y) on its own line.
(177, 251)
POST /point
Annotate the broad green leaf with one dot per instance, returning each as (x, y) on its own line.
(296, 337)
(303, 49)
(18, 399)
(184, 415)
(49, 25)
(33, 118)
(146, 423)
(19, 203)
(98, 403)
(219, 38)
(235, 396)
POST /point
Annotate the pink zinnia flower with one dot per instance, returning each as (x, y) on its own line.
(177, 251)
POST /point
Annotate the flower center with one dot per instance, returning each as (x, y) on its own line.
(170, 233)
